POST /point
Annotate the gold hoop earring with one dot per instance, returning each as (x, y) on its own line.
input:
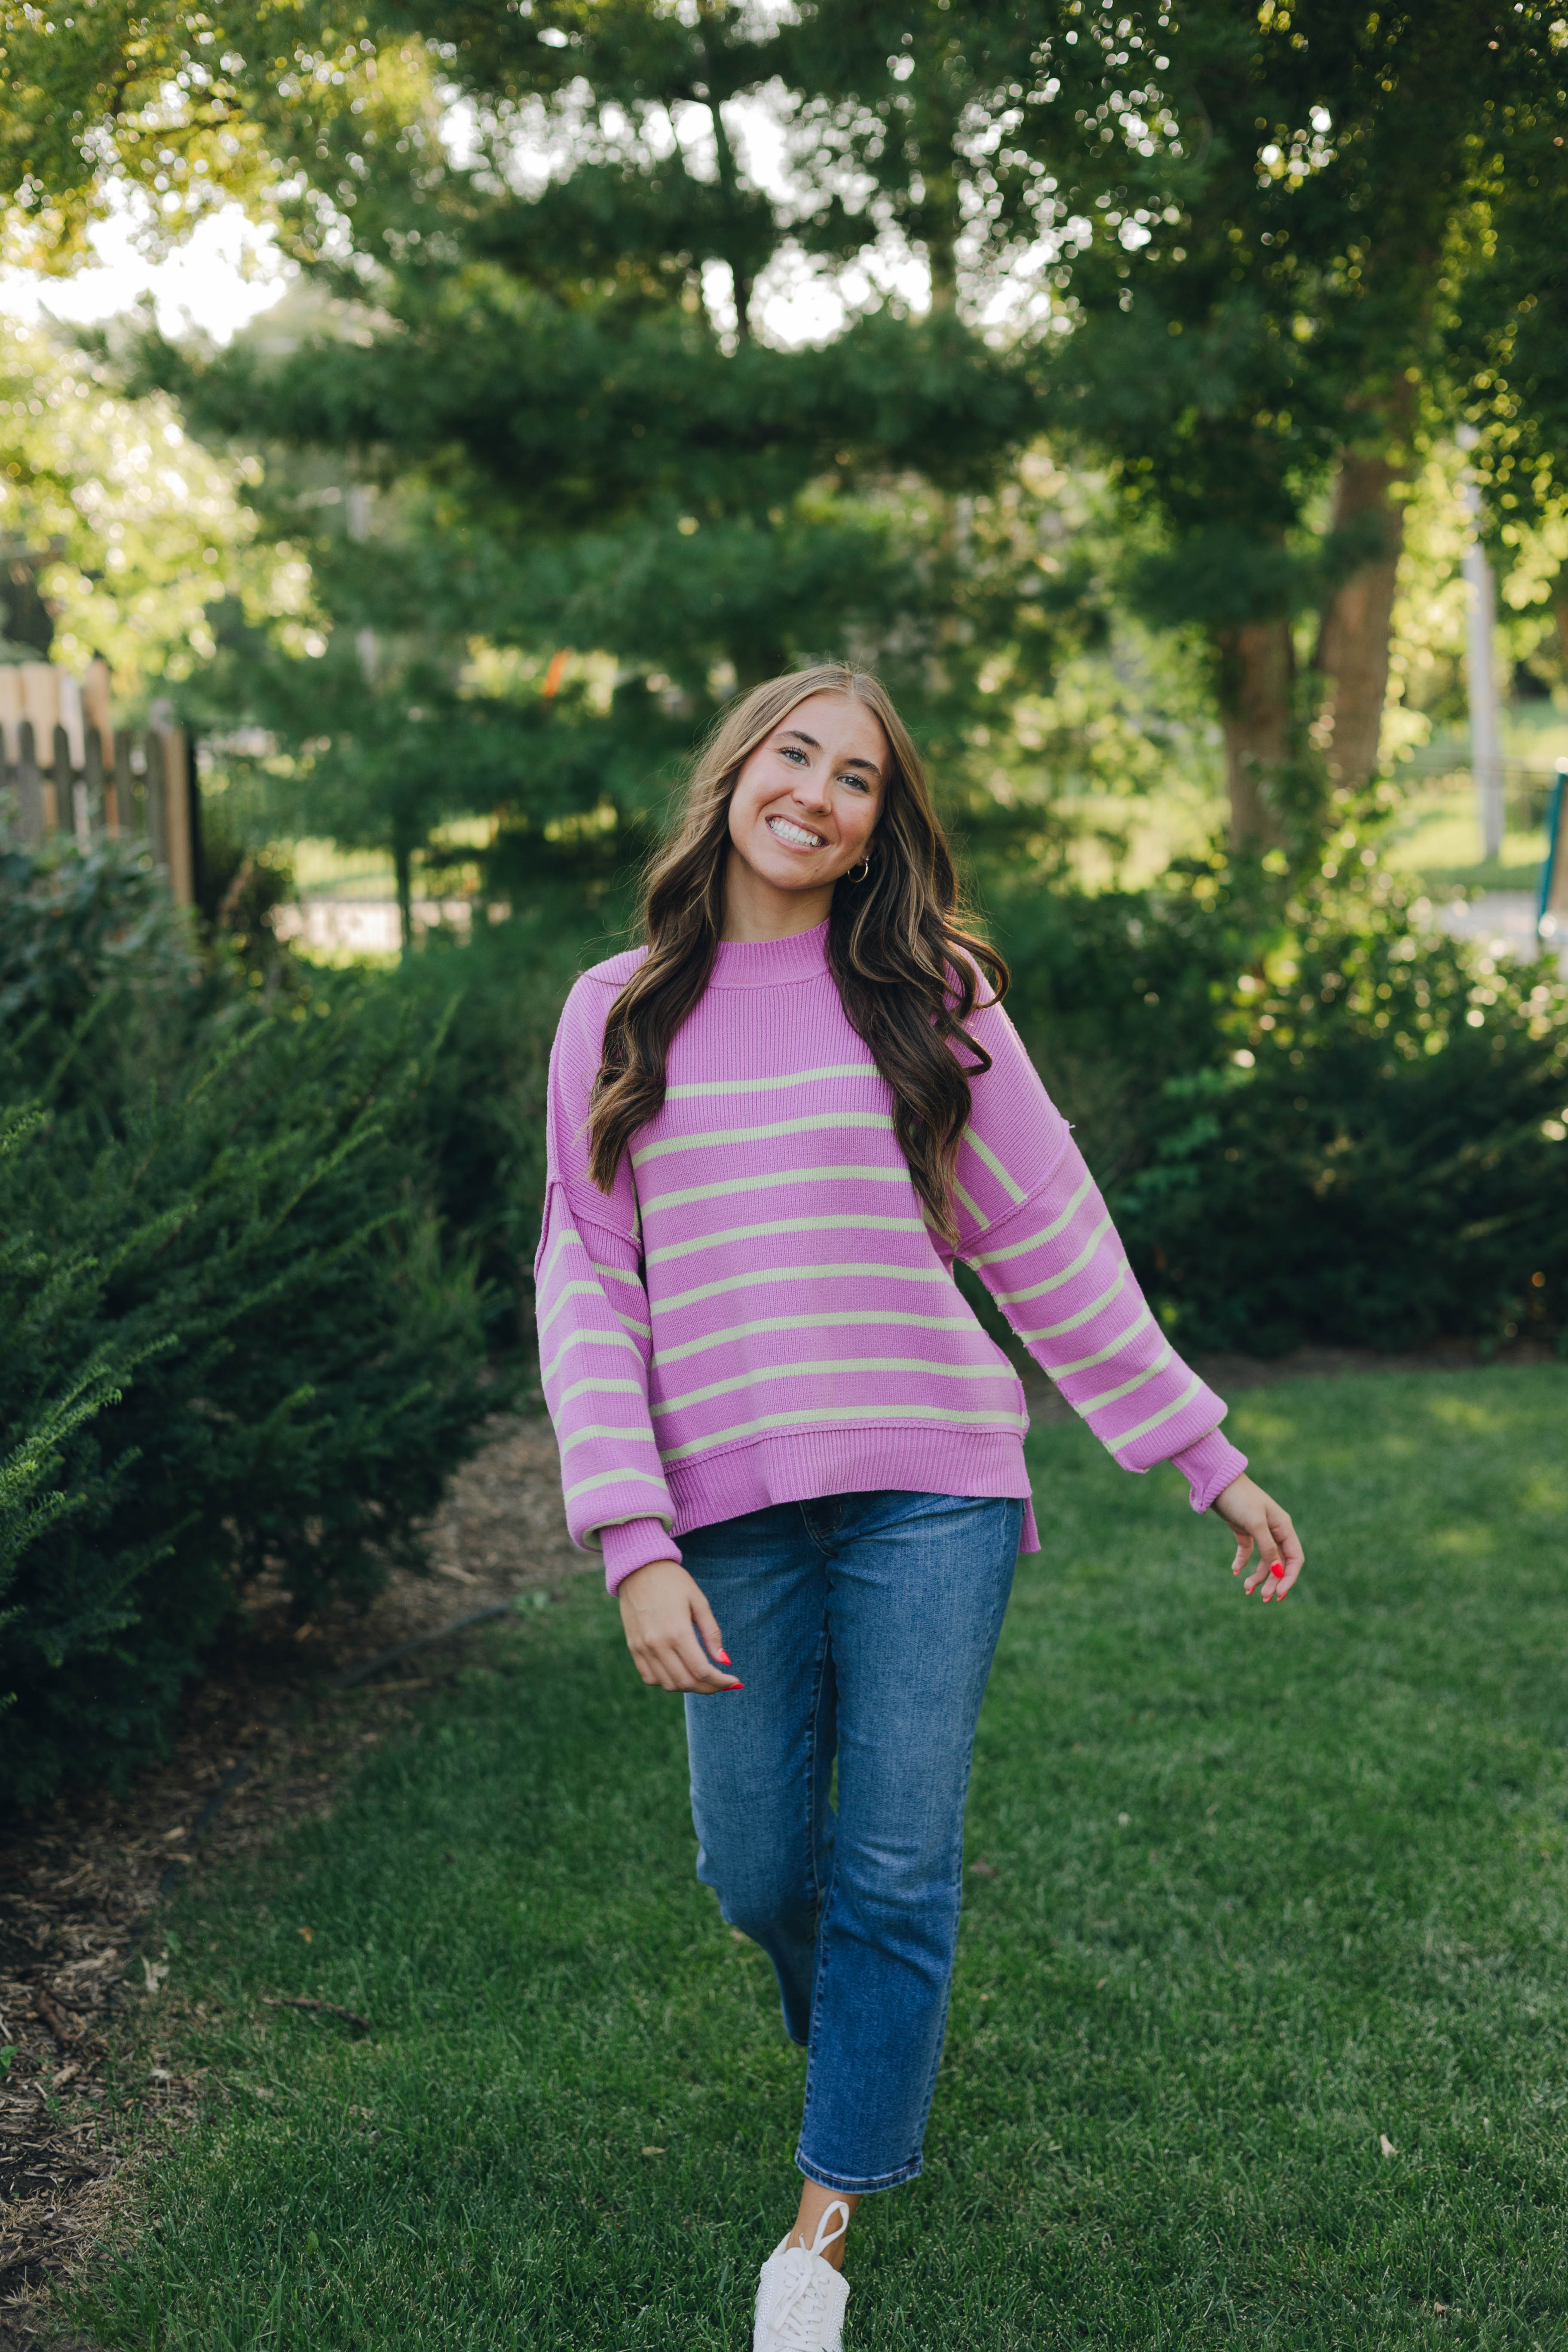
(864, 869)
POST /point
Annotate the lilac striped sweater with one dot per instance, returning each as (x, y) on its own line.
(758, 1313)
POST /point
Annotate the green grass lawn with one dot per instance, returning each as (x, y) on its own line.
(1269, 1887)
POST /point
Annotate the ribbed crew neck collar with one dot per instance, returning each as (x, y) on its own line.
(765, 963)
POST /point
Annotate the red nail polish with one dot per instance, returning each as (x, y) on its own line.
(1278, 1569)
(722, 1656)
(734, 1686)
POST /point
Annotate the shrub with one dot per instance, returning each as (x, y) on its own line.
(1315, 1120)
(496, 1000)
(237, 1344)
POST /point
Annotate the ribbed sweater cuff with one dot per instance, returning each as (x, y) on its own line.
(1208, 1464)
(635, 1544)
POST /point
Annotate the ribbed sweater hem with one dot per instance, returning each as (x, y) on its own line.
(801, 1466)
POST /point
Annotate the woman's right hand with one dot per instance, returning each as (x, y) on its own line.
(664, 1611)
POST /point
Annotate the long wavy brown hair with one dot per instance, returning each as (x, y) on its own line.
(907, 971)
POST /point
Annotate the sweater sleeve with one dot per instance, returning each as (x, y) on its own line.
(1035, 1228)
(595, 1336)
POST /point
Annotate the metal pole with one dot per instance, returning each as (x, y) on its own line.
(1551, 915)
(365, 645)
(1486, 744)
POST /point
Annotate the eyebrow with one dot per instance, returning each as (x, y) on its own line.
(798, 735)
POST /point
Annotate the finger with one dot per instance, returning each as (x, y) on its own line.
(1287, 1549)
(694, 1671)
(1270, 1575)
(1243, 1548)
(708, 1626)
(1261, 1573)
(1278, 1564)
(660, 1662)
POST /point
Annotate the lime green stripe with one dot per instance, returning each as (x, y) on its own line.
(615, 1478)
(737, 1185)
(771, 1085)
(815, 1125)
(968, 1202)
(853, 1225)
(617, 1274)
(1047, 1233)
(1115, 1444)
(765, 1276)
(569, 1290)
(588, 1339)
(1054, 1281)
(832, 1319)
(1110, 1396)
(562, 1239)
(926, 1366)
(598, 1388)
(817, 1414)
(1085, 1314)
(1014, 1192)
(604, 1429)
(1103, 1355)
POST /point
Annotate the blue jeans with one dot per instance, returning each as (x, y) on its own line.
(862, 1626)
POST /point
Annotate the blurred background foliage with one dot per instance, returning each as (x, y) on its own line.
(1111, 380)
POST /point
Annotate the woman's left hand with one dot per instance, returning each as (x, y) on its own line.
(1255, 1519)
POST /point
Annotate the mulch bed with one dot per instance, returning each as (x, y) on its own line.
(264, 1740)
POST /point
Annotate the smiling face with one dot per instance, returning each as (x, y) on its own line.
(803, 810)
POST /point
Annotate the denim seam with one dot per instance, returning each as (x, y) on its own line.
(812, 1740)
(957, 1890)
(825, 1896)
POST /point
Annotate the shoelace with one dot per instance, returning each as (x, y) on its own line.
(797, 2320)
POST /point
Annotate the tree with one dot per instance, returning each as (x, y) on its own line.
(1267, 222)
(1221, 248)
(578, 453)
(1508, 341)
(118, 533)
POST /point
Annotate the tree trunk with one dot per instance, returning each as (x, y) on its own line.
(402, 865)
(1257, 674)
(728, 181)
(942, 257)
(1353, 638)
(937, 220)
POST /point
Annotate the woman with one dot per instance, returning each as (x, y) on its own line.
(771, 1132)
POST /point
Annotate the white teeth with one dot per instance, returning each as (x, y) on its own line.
(796, 833)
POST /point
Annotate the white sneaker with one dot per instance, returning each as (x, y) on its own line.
(801, 2298)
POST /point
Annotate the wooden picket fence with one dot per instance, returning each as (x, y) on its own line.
(65, 767)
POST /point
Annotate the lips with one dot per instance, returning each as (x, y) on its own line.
(796, 837)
